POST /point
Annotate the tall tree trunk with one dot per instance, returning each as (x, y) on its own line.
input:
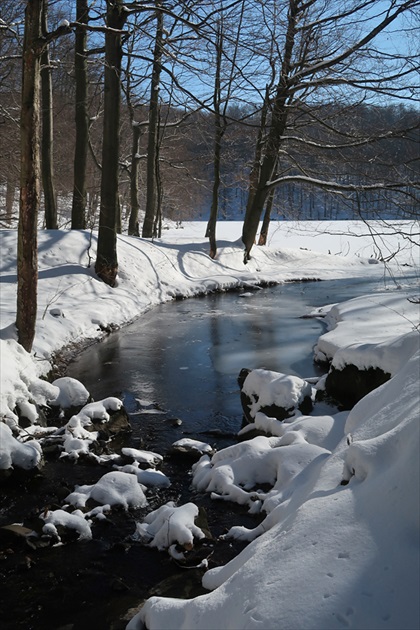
(266, 220)
(157, 224)
(153, 137)
(47, 142)
(133, 223)
(106, 265)
(211, 225)
(27, 256)
(264, 169)
(78, 213)
(218, 134)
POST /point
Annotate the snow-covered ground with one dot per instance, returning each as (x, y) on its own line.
(339, 544)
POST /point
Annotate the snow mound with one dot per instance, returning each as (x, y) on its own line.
(266, 388)
(168, 525)
(72, 393)
(74, 520)
(15, 453)
(114, 488)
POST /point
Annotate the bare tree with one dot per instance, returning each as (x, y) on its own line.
(78, 216)
(324, 50)
(221, 100)
(27, 259)
(27, 268)
(47, 138)
(106, 265)
(153, 130)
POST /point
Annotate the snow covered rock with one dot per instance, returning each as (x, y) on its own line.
(58, 520)
(142, 457)
(149, 477)
(169, 525)
(193, 449)
(72, 395)
(14, 453)
(275, 394)
(114, 488)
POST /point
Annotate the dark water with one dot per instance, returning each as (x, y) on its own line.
(185, 356)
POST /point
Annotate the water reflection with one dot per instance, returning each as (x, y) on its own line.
(186, 355)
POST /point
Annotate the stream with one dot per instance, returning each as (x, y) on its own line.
(175, 369)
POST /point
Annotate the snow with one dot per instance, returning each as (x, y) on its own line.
(338, 543)
(14, 453)
(143, 457)
(168, 525)
(149, 477)
(72, 393)
(266, 388)
(114, 488)
(76, 520)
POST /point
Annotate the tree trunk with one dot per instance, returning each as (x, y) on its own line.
(47, 131)
(157, 225)
(27, 256)
(106, 265)
(218, 134)
(78, 213)
(10, 198)
(211, 225)
(266, 220)
(152, 145)
(133, 223)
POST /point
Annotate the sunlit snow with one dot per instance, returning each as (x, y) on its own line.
(338, 494)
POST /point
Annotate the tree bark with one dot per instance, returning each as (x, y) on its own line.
(27, 256)
(47, 141)
(78, 214)
(10, 198)
(106, 265)
(133, 223)
(153, 133)
(217, 151)
(266, 220)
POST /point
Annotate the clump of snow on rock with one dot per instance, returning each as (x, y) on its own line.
(266, 388)
(114, 488)
(15, 453)
(74, 520)
(72, 393)
(168, 525)
(148, 477)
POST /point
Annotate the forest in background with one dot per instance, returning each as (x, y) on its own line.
(187, 171)
(314, 144)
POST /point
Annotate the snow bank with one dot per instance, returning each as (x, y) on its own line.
(365, 326)
(350, 551)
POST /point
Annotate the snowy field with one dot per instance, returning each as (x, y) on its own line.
(338, 547)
